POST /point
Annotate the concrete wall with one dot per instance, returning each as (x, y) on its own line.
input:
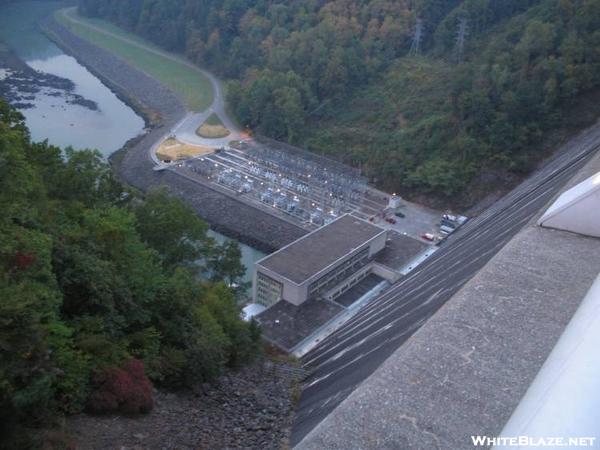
(295, 294)
(385, 273)
(292, 292)
(377, 244)
(348, 282)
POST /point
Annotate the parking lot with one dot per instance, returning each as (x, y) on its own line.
(410, 219)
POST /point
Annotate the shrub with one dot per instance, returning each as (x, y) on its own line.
(126, 390)
(170, 366)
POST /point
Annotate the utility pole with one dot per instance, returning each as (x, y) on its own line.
(415, 47)
(461, 35)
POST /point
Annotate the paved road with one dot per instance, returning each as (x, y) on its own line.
(185, 130)
(352, 353)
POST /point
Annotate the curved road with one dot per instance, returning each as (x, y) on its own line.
(185, 130)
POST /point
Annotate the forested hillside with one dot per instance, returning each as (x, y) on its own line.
(338, 76)
(101, 290)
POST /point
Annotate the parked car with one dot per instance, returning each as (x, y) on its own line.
(455, 219)
(428, 236)
(399, 214)
(448, 223)
(446, 230)
(461, 219)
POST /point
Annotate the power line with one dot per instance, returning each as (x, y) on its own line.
(461, 35)
(415, 47)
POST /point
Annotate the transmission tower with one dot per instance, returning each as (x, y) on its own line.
(461, 35)
(415, 47)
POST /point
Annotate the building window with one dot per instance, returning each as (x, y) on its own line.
(339, 273)
(268, 290)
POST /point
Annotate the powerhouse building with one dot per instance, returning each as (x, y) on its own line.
(324, 263)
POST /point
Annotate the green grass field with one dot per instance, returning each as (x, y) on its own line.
(190, 84)
(212, 128)
(213, 119)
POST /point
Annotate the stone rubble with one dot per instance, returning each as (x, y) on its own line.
(250, 409)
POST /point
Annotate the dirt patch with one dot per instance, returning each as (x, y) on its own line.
(212, 131)
(174, 150)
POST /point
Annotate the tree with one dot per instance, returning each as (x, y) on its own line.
(92, 276)
(85, 178)
(172, 228)
(289, 104)
(225, 263)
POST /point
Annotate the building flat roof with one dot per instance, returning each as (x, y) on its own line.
(399, 250)
(286, 325)
(314, 252)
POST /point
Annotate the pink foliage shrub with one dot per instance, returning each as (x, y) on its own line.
(125, 390)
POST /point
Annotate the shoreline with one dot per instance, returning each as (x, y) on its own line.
(161, 109)
(151, 118)
(20, 84)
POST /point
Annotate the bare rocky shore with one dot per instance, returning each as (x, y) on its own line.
(20, 84)
(248, 409)
(162, 110)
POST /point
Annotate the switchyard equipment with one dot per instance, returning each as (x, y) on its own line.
(312, 189)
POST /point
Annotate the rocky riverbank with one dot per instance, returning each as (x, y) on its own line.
(20, 84)
(162, 110)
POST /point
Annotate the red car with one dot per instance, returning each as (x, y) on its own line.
(391, 220)
(428, 236)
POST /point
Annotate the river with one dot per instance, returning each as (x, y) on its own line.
(52, 118)
(63, 123)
